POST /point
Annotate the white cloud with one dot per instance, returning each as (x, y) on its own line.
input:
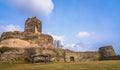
(10, 27)
(41, 7)
(60, 38)
(84, 34)
(69, 46)
(76, 47)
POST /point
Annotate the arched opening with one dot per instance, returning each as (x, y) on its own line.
(72, 58)
(42, 58)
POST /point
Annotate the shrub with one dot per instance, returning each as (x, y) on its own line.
(4, 49)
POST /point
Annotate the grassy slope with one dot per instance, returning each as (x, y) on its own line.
(96, 65)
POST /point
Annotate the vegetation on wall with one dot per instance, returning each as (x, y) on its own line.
(4, 49)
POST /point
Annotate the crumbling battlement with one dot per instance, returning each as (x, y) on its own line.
(10, 34)
(106, 51)
(33, 25)
(32, 35)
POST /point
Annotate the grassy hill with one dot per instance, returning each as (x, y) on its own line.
(94, 65)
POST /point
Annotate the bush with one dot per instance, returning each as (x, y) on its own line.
(4, 49)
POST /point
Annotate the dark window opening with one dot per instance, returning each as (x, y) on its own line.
(72, 58)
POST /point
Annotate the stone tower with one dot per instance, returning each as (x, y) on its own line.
(106, 51)
(33, 25)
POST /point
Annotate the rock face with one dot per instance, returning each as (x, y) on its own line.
(31, 37)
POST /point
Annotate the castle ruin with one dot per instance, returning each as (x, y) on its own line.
(31, 37)
(32, 43)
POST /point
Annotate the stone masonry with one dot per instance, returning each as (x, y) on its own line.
(31, 37)
(32, 42)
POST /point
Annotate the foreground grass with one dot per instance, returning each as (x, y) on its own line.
(95, 65)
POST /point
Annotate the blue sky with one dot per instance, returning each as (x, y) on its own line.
(81, 25)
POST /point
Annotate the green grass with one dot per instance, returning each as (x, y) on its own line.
(95, 65)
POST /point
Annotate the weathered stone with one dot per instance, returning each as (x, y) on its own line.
(31, 37)
(56, 55)
(14, 55)
(33, 25)
(32, 42)
(106, 51)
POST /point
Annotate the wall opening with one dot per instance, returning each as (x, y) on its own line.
(72, 58)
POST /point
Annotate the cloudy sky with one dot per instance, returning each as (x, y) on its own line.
(81, 25)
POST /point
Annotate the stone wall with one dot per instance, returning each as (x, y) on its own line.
(33, 25)
(13, 55)
(31, 37)
(15, 43)
(33, 42)
(56, 55)
(82, 56)
(13, 39)
(25, 54)
(106, 51)
(10, 34)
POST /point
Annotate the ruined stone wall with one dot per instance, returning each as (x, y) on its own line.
(33, 42)
(14, 34)
(32, 36)
(33, 25)
(82, 56)
(56, 55)
(45, 40)
(25, 54)
(15, 43)
(13, 55)
(15, 39)
(106, 51)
